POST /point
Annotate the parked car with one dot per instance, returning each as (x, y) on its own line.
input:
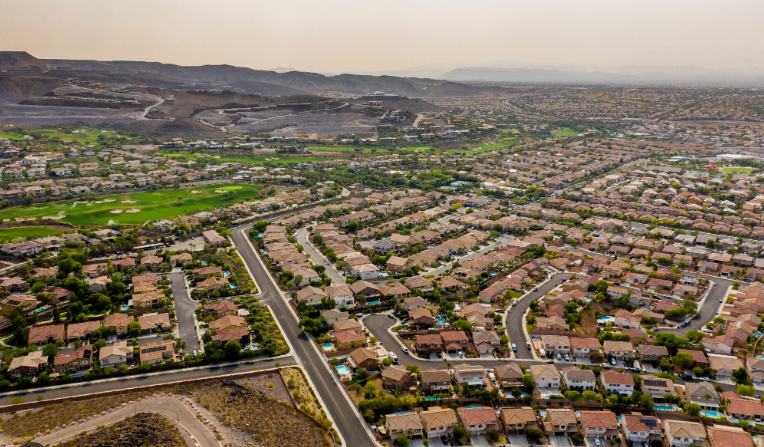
(528, 344)
(514, 347)
(460, 354)
(391, 316)
(559, 357)
(393, 357)
(359, 315)
(597, 441)
(405, 350)
(567, 357)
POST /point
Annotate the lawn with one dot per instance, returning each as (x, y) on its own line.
(81, 136)
(737, 170)
(565, 132)
(21, 233)
(258, 160)
(151, 205)
(507, 142)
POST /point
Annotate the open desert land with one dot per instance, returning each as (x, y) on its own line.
(152, 205)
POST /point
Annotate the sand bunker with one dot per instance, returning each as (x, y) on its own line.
(56, 217)
(116, 211)
(196, 192)
(128, 201)
(99, 201)
(134, 210)
(221, 191)
(108, 200)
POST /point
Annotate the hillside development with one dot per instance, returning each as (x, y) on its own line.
(141, 430)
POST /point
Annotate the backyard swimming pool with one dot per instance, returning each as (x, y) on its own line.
(327, 346)
(343, 370)
(711, 413)
(665, 407)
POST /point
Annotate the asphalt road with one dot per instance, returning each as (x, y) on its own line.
(318, 258)
(515, 320)
(709, 308)
(127, 382)
(184, 312)
(316, 367)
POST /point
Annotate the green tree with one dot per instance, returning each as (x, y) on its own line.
(492, 436)
(231, 349)
(746, 390)
(460, 435)
(683, 360)
(50, 350)
(692, 409)
(533, 435)
(402, 440)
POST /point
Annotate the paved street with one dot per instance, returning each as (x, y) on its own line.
(515, 320)
(316, 367)
(158, 378)
(318, 258)
(499, 242)
(184, 312)
(708, 310)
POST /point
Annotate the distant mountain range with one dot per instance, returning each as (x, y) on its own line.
(281, 83)
(518, 72)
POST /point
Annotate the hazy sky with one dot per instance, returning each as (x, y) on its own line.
(370, 35)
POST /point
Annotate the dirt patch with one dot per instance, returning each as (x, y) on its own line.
(259, 420)
(143, 429)
(270, 385)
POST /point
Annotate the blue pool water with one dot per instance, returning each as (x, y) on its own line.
(124, 307)
(373, 303)
(225, 272)
(37, 311)
(327, 346)
(441, 321)
(252, 347)
(664, 407)
(343, 370)
(203, 262)
(711, 414)
(233, 286)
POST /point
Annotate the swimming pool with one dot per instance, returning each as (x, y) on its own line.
(711, 413)
(327, 346)
(441, 321)
(343, 370)
(664, 407)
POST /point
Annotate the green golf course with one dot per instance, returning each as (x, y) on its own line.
(137, 208)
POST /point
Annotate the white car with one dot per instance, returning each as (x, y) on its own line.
(596, 441)
(405, 350)
(392, 357)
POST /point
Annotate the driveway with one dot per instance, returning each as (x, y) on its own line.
(184, 311)
(517, 440)
(173, 409)
(560, 441)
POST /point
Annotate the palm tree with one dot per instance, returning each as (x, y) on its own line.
(707, 397)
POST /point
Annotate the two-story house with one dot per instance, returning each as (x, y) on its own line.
(617, 383)
(477, 420)
(639, 429)
(600, 424)
(517, 420)
(439, 422)
(546, 377)
(472, 375)
(684, 434)
(579, 379)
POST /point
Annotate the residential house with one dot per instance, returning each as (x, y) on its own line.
(641, 430)
(585, 347)
(508, 375)
(342, 295)
(472, 375)
(486, 342)
(408, 424)
(477, 420)
(397, 377)
(42, 335)
(579, 379)
(439, 422)
(156, 352)
(29, 365)
(617, 383)
(365, 358)
(684, 434)
(517, 420)
(657, 386)
(114, 355)
(546, 377)
(703, 394)
(434, 380)
(600, 424)
(723, 436)
(349, 340)
(560, 422)
(724, 366)
(79, 360)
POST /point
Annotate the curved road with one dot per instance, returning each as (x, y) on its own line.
(171, 408)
